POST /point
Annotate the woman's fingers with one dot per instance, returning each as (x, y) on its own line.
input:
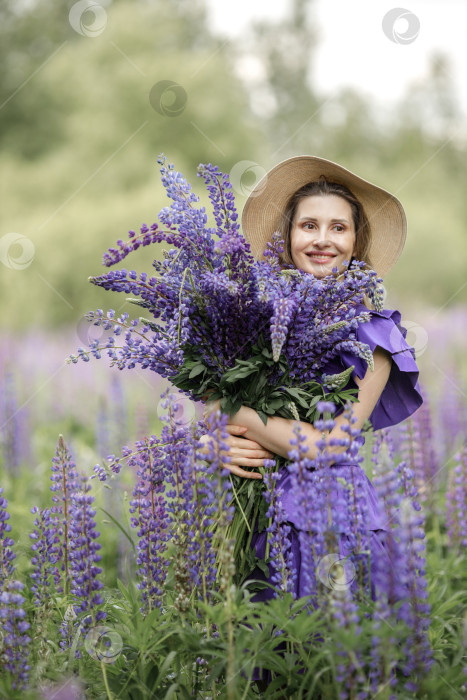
(241, 452)
(236, 429)
(244, 453)
(241, 472)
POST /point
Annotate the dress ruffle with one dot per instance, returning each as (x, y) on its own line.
(401, 396)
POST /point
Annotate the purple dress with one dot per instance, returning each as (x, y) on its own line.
(400, 398)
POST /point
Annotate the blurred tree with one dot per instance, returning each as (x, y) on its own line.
(86, 119)
(31, 34)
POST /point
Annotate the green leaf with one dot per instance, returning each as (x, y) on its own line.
(197, 369)
(127, 535)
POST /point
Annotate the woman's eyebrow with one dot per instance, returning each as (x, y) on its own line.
(313, 218)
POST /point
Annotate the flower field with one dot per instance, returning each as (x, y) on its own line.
(129, 593)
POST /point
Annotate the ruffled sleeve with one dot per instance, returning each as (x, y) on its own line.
(401, 396)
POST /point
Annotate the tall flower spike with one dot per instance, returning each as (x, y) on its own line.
(83, 560)
(15, 648)
(345, 616)
(308, 500)
(415, 611)
(150, 518)
(280, 544)
(46, 555)
(283, 310)
(65, 482)
(14, 433)
(84, 555)
(211, 494)
(6, 542)
(456, 500)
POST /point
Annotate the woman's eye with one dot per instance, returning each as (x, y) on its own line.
(308, 225)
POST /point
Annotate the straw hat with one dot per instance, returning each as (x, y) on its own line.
(264, 207)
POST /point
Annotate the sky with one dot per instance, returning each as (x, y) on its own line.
(355, 49)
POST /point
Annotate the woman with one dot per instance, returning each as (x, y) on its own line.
(327, 216)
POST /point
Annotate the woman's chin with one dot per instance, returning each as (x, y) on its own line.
(319, 271)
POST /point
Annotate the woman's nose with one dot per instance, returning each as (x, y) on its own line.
(321, 236)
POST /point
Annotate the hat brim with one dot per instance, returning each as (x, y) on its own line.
(263, 210)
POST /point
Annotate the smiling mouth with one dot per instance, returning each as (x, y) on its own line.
(320, 256)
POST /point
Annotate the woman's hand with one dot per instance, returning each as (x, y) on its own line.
(242, 452)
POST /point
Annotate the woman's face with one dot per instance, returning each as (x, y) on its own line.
(322, 234)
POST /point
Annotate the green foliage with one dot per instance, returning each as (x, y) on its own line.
(246, 380)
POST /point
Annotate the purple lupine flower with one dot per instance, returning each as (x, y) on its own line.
(177, 458)
(280, 544)
(404, 583)
(415, 611)
(283, 310)
(382, 662)
(451, 413)
(84, 546)
(14, 433)
(390, 581)
(426, 463)
(179, 499)
(212, 494)
(329, 497)
(344, 614)
(46, 547)
(347, 490)
(413, 455)
(274, 251)
(409, 488)
(65, 482)
(456, 502)
(307, 497)
(326, 407)
(149, 517)
(415, 446)
(145, 237)
(14, 651)
(84, 572)
(222, 199)
(6, 542)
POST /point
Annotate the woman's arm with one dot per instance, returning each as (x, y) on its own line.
(277, 433)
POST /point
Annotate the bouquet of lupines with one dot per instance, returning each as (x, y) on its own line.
(218, 323)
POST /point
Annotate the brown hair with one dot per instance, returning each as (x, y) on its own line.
(323, 187)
